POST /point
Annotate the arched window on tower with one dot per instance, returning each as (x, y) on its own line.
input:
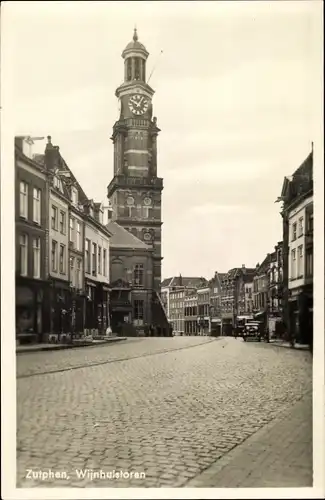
(137, 62)
(129, 70)
(143, 70)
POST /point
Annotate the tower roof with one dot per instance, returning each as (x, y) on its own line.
(135, 46)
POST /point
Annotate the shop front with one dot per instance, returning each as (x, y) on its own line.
(216, 327)
(29, 310)
(301, 315)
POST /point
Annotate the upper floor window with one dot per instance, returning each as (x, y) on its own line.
(37, 205)
(57, 183)
(23, 246)
(54, 256)
(104, 262)
(54, 218)
(72, 271)
(99, 263)
(71, 229)
(293, 263)
(36, 258)
(309, 262)
(94, 258)
(301, 226)
(294, 231)
(74, 195)
(300, 263)
(310, 222)
(62, 259)
(62, 221)
(138, 274)
(23, 200)
(87, 256)
(78, 274)
(78, 231)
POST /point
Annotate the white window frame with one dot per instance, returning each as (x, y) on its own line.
(301, 226)
(23, 199)
(293, 263)
(300, 261)
(78, 235)
(87, 256)
(99, 259)
(74, 196)
(104, 262)
(78, 273)
(294, 231)
(23, 248)
(72, 271)
(37, 258)
(37, 205)
(54, 217)
(71, 229)
(62, 222)
(62, 268)
(54, 245)
(94, 261)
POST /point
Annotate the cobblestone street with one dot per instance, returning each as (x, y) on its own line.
(171, 414)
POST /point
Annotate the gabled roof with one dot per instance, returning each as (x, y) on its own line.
(166, 282)
(263, 267)
(189, 282)
(121, 238)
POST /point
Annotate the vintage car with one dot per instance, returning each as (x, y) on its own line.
(252, 331)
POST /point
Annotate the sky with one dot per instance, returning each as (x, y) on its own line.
(235, 99)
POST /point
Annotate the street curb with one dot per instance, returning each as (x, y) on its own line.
(302, 348)
(68, 346)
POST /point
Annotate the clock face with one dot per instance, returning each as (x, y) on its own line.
(147, 201)
(138, 104)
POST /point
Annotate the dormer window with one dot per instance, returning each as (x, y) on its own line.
(91, 211)
(57, 183)
(74, 195)
(100, 217)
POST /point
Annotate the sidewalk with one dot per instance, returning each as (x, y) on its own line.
(279, 455)
(283, 343)
(57, 347)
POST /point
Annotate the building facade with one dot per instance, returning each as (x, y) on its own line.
(203, 310)
(233, 296)
(31, 217)
(172, 284)
(96, 263)
(261, 292)
(297, 216)
(177, 309)
(135, 190)
(215, 303)
(275, 326)
(190, 314)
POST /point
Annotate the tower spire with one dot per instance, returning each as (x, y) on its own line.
(135, 34)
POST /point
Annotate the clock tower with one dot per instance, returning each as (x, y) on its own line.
(135, 190)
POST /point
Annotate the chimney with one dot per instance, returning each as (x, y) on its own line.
(51, 155)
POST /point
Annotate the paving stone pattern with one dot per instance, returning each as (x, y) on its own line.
(171, 415)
